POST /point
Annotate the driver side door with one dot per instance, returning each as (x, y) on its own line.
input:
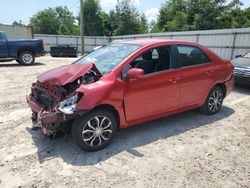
(153, 95)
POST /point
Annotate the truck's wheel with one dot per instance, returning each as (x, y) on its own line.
(95, 130)
(213, 102)
(26, 58)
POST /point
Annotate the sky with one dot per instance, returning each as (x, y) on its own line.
(16, 10)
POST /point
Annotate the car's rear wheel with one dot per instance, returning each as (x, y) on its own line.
(95, 130)
(213, 102)
(26, 58)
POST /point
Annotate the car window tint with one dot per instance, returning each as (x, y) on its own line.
(1, 37)
(191, 55)
(153, 60)
(139, 58)
(164, 62)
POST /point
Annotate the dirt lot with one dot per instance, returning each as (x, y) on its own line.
(186, 150)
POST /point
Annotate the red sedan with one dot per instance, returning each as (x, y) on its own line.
(127, 83)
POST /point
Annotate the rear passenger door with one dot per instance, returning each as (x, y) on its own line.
(196, 72)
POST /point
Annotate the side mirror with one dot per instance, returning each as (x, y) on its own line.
(135, 73)
(237, 56)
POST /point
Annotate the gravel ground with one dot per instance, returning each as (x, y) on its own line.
(185, 150)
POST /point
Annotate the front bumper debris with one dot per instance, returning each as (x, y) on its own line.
(49, 121)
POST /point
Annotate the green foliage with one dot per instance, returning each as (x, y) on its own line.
(143, 24)
(184, 15)
(167, 15)
(174, 15)
(236, 18)
(153, 27)
(15, 23)
(57, 20)
(110, 23)
(93, 18)
(128, 18)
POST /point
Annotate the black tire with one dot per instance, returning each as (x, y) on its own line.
(89, 124)
(213, 101)
(26, 58)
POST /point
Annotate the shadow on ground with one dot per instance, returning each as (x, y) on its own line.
(14, 64)
(126, 140)
(243, 89)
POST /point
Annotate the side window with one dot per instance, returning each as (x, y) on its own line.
(146, 61)
(139, 58)
(151, 61)
(191, 55)
(1, 37)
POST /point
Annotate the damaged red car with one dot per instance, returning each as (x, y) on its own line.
(127, 83)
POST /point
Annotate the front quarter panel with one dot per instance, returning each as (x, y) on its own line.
(107, 91)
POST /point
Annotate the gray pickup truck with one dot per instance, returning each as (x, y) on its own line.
(23, 51)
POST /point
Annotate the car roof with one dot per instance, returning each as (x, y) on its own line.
(149, 42)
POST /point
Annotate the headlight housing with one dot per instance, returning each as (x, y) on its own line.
(68, 106)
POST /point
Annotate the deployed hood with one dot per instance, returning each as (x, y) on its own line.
(241, 62)
(66, 74)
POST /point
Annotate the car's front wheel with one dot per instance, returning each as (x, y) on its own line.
(95, 130)
(213, 102)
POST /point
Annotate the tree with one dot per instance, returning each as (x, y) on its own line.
(167, 19)
(153, 27)
(236, 18)
(93, 20)
(67, 22)
(15, 23)
(128, 18)
(180, 15)
(57, 20)
(110, 23)
(143, 24)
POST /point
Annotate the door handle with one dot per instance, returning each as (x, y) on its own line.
(174, 80)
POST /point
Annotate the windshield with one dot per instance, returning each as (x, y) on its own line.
(108, 57)
(247, 55)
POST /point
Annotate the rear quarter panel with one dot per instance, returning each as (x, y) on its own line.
(223, 71)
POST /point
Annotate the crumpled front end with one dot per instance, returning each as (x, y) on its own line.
(53, 97)
(44, 101)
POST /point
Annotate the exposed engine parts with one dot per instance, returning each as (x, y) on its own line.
(90, 77)
(49, 97)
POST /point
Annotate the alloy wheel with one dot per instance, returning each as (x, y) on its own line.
(215, 101)
(97, 131)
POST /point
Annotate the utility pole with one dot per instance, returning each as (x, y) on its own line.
(82, 25)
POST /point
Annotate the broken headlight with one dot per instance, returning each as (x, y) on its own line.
(68, 106)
